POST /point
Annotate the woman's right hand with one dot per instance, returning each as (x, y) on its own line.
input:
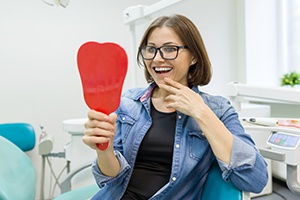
(100, 128)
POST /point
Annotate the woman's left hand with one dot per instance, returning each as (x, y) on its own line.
(182, 98)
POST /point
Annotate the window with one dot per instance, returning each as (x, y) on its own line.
(289, 35)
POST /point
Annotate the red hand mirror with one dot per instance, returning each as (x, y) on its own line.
(102, 68)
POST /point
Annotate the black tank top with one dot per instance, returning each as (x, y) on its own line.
(154, 160)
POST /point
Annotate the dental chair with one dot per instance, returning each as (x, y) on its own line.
(215, 188)
(15, 167)
(18, 176)
(17, 173)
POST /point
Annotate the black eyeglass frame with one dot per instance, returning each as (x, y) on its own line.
(160, 52)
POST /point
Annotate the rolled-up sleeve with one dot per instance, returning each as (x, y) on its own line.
(102, 179)
(246, 164)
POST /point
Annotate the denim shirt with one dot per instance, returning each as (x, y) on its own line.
(192, 155)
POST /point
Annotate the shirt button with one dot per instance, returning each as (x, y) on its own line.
(123, 118)
(177, 146)
(174, 178)
(179, 117)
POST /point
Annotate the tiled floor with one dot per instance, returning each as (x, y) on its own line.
(280, 192)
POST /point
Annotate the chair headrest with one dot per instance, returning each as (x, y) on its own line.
(21, 134)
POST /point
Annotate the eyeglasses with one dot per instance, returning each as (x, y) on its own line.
(167, 52)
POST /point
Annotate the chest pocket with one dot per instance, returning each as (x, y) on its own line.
(198, 144)
(126, 123)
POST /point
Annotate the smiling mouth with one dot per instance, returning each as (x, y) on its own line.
(161, 70)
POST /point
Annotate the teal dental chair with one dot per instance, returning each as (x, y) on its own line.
(18, 178)
(16, 169)
(215, 188)
(17, 173)
(21, 134)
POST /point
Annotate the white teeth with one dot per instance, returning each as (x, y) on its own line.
(161, 69)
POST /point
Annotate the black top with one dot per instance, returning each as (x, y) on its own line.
(154, 160)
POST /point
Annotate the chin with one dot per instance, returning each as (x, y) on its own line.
(159, 81)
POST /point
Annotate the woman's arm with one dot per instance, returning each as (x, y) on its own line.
(101, 128)
(218, 136)
(190, 103)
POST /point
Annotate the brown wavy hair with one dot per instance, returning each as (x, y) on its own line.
(200, 73)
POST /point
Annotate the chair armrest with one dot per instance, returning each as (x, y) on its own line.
(66, 183)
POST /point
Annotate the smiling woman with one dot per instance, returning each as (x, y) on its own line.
(170, 131)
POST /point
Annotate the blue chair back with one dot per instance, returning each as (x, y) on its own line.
(215, 188)
(21, 134)
(18, 176)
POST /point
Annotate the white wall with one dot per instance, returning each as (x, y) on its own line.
(39, 81)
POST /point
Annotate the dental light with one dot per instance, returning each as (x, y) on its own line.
(63, 3)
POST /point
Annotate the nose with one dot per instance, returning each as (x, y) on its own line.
(158, 56)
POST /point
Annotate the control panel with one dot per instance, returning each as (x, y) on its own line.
(284, 140)
(287, 143)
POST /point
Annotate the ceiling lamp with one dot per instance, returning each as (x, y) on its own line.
(63, 3)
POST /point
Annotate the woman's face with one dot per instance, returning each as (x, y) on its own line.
(176, 69)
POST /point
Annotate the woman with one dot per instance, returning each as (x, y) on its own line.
(164, 138)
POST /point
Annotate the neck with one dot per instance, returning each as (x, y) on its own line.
(159, 102)
(159, 93)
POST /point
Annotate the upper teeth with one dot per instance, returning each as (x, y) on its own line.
(162, 68)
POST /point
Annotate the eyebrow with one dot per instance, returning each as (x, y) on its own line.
(167, 43)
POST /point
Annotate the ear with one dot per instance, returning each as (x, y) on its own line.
(194, 61)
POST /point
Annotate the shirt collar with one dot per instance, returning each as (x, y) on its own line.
(147, 93)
